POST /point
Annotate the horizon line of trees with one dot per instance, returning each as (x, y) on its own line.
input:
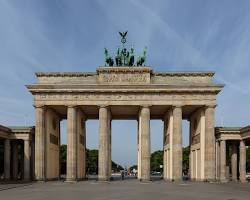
(156, 160)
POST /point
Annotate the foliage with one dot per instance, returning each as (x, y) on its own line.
(91, 161)
(116, 167)
(63, 158)
(156, 160)
(185, 157)
(133, 167)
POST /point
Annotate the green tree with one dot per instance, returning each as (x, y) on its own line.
(63, 158)
(133, 167)
(92, 161)
(185, 157)
(156, 160)
(116, 167)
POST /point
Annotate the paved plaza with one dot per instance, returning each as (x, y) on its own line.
(128, 189)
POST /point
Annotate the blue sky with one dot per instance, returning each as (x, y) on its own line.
(60, 35)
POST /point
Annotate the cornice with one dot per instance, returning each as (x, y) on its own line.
(124, 69)
(187, 73)
(64, 74)
(125, 88)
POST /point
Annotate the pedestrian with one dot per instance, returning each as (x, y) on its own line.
(122, 175)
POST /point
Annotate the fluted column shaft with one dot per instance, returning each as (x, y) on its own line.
(40, 145)
(217, 160)
(26, 160)
(209, 143)
(145, 144)
(222, 160)
(242, 161)
(165, 160)
(104, 145)
(234, 162)
(177, 143)
(72, 144)
(7, 159)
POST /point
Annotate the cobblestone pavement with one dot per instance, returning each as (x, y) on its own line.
(128, 189)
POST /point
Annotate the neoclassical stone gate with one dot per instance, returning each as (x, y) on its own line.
(125, 93)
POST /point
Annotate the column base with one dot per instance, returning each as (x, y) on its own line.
(40, 180)
(223, 181)
(71, 180)
(243, 180)
(145, 180)
(27, 180)
(103, 179)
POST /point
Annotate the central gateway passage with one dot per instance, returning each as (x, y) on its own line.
(124, 148)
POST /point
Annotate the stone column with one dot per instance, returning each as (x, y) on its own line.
(177, 143)
(104, 143)
(234, 161)
(165, 132)
(15, 160)
(84, 148)
(139, 147)
(217, 160)
(209, 143)
(26, 160)
(6, 159)
(242, 161)
(40, 144)
(33, 157)
(81, 144)
(110, 143)
(72, 144)
(223, 161)
(145, 144)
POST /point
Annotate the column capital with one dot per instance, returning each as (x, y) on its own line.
(7, 143)
(103, 106)
(146, 106)
(242, 144)
(71, 106)
(210, 106)
(39, 106)
(177, 106)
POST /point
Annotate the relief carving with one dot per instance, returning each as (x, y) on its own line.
(115, 96)
(128, 78)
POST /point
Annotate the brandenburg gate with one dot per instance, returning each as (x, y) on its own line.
(125, 89)
(125, 92)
